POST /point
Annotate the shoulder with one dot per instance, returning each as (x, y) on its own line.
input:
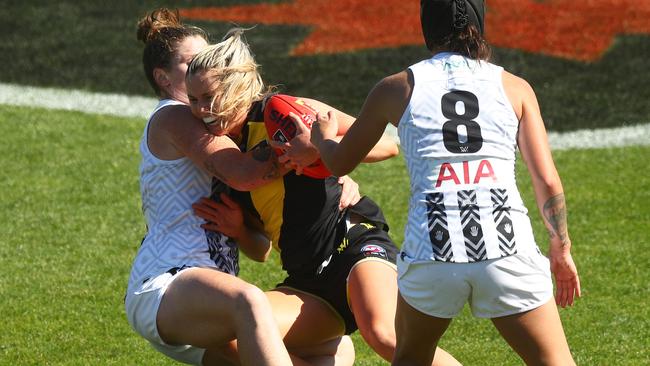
(518, 91)
(391, 95)
(173, 129)
(396, 85)
(174, 117)
(516, 84)
(171, 113)
(392, 90)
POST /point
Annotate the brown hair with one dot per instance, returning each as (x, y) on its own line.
(161, 31)
(468, 42)
(455, 26)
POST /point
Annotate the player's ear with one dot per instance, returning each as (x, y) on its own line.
(160, 76)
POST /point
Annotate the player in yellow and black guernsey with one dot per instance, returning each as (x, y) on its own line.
(318, 243)
(341, 265)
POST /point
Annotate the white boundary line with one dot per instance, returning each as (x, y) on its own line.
(138, 106)
(77, 100)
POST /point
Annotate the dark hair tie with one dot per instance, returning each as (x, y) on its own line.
(460, 14)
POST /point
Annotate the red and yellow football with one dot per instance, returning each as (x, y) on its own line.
(280, 127)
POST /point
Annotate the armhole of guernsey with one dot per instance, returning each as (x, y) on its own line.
(268, 199)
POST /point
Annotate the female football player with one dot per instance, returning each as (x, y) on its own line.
(183, 295)
(468, 237)
(340, 263)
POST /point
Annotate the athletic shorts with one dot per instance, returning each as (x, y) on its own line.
(493, 288)
(142, 309)
(361, 242)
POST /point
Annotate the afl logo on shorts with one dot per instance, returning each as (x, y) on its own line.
(372, 250)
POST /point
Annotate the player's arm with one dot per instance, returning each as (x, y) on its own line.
(219, 155)
(385, 104)
(549, 193)
(384, 148)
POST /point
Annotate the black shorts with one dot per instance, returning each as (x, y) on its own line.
(365, 240)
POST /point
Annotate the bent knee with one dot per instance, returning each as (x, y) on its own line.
(250, 306)
(252, 299)
(381, 338)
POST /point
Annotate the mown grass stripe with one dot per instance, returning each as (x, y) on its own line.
(77, 100)
(138, 106)
(601, 138)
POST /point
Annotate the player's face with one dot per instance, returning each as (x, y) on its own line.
(201, 95)
(186, 50)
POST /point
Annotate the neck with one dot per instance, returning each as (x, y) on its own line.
(175, 95)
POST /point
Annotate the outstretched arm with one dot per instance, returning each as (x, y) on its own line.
(385, 104)
(384, 148)
(300, 152)
(549, 192)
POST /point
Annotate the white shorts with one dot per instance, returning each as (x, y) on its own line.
(142, 309)
(493, 288)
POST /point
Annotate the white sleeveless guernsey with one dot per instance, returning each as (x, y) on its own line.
(174, 237)
(458, 135)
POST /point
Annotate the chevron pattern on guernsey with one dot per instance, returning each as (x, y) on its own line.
(505, 230)
(438, 230)
(471, 224)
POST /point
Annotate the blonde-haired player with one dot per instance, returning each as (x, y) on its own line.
(340, 263)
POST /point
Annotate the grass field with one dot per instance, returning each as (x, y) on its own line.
(71, 223)
(70, 218)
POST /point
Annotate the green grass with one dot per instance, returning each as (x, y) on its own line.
(70, 224)
(70, 220)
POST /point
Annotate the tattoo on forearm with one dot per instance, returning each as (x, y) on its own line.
(264, 153)
(555, 213)
(273, 171)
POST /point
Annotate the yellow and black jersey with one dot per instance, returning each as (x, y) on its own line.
(299, 214)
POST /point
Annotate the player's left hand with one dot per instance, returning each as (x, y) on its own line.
(350, 194)
(225, 217)
(567, 281)
(299, 152)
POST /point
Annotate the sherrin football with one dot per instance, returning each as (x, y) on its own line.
(280, 127)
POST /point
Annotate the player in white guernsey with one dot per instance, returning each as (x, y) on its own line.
(468, 238)
(183, 295)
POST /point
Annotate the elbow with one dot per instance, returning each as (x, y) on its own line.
(549, 183)
(393, 151)
(262, 256)
(258, 259)
(389, 146)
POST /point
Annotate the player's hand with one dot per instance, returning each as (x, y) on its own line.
(225, 217)
(350, 194)
(567, 282)
(299, 152)
(325, 127)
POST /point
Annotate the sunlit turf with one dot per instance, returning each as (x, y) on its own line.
(70, 224)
